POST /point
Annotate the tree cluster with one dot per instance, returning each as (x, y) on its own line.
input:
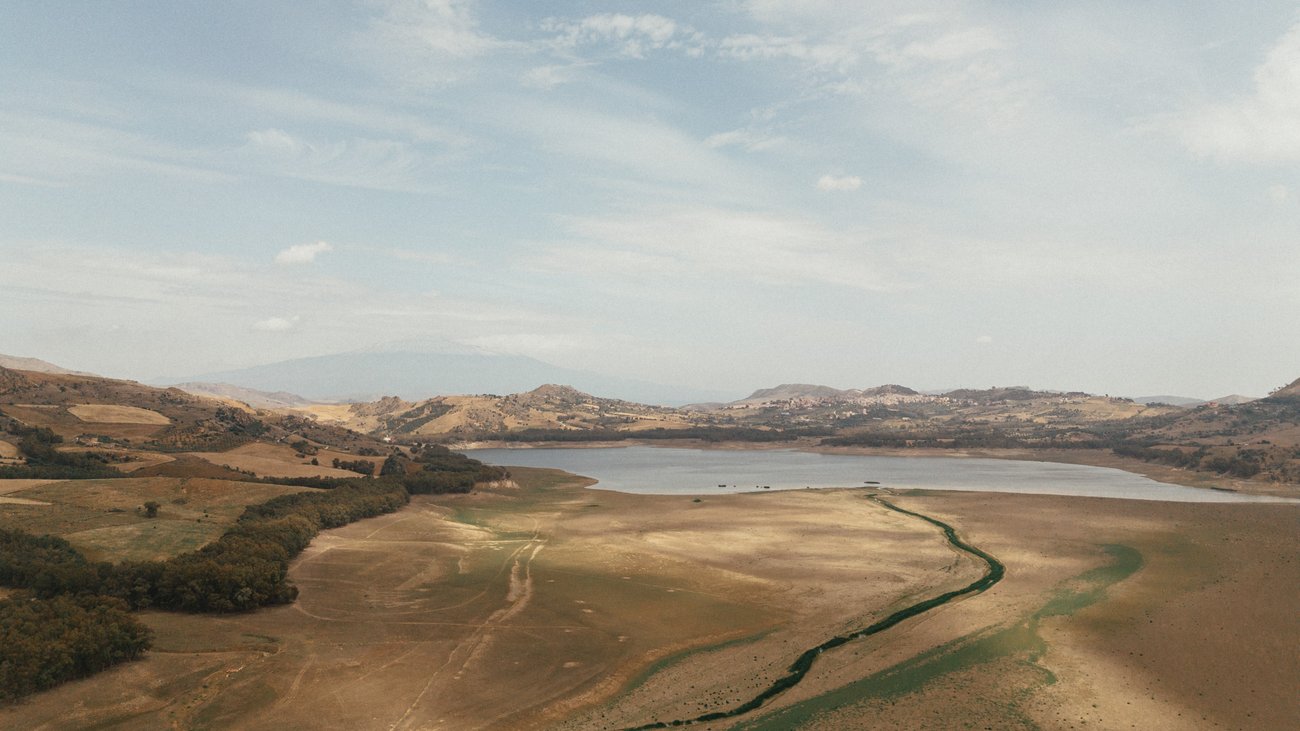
(73, 621)
(45, 462)
(44, 642)
(359, 466)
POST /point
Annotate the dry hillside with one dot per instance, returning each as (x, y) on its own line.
(546, 407)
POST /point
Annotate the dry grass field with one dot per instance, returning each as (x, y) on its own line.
(551, 606)
(116, 414)
(274, 460)
(103, 518)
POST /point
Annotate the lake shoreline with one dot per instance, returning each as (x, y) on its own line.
(1088, 457)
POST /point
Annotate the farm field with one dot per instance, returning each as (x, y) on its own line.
(551, 606)
(117, 414)
(274, 460)
(103, 518)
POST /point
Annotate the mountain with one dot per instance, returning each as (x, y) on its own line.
(18, 363)
(1003, 393)
(419, 374)
(1170, 400)
(788, 391)
(1235, 399)
(251, 396)
(822, 394)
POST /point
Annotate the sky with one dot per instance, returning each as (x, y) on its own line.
(1098, 196)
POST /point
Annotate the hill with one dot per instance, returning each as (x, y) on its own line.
(547, 407)
(1289, 392)
(37, 365)
(248, 396)
(413, 375)
(788, 391)
(1170, 400)
(95, 424)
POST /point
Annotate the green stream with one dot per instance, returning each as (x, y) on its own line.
(796, 672)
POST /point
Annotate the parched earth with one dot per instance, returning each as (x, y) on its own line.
(553, 606)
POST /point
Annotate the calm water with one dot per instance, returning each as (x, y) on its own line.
(673, 471)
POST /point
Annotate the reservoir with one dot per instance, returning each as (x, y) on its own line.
(676, 471)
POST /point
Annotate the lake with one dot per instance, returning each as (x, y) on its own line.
(676, 471)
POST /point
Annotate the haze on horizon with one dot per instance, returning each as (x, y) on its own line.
(726, 195)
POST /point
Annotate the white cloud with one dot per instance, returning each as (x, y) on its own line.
(749, 139)
(1262, 127)
(359, 163)
(708, 243)
(633, 35)
(954, 45)
(847, 182)
(984, 339)
(302, 253)
(1279, 193)
(641, 149)
(428, 42)
(276, 324)
(749, 46)
(282, 103)
(548, 77)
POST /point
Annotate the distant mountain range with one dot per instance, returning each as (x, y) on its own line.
(1230, 400)
(417, 374)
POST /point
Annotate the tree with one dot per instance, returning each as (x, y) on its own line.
(151, 509)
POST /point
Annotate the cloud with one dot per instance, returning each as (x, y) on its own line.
(1261, 127)
(718, 244)
(638, 148)
(955, 45)
(848, 182)
(276, 324)
(1279, 193)
(749, 139)
(984, 339)
(750, 47)
(632, 35)
(548, 77)
(302, 253)
(357, 162)
(428, 42)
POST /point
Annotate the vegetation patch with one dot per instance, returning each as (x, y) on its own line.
(1019, 643)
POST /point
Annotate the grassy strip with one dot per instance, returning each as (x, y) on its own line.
(1020, 639)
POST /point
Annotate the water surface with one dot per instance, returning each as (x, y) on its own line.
(676, 471)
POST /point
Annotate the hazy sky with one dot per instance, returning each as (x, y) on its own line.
(1102, 196)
